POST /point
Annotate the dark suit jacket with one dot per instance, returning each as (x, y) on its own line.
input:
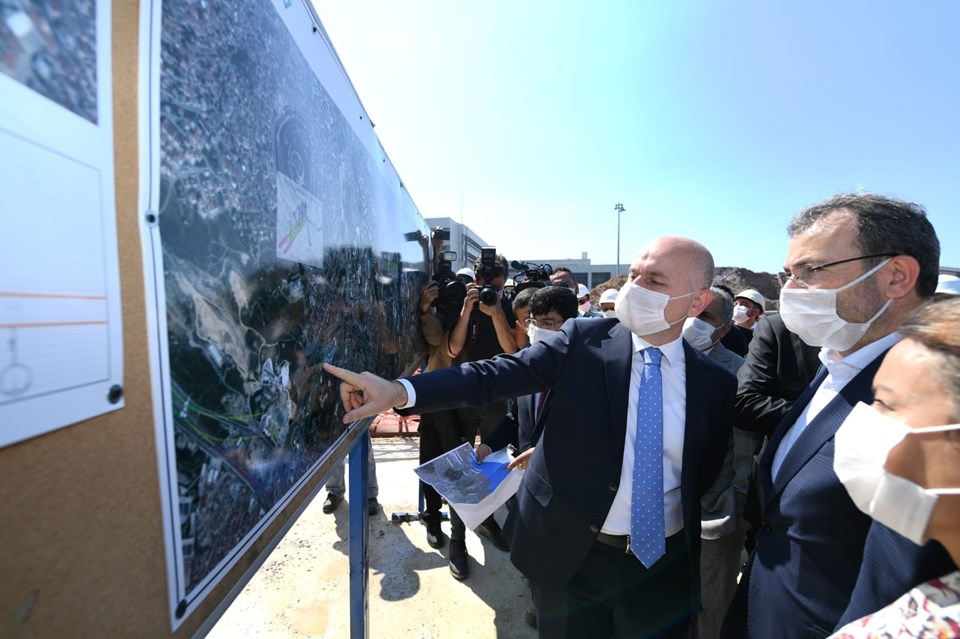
(572, 478)
(737, 340)
(518, 426)
(801, 578)
(778, 368)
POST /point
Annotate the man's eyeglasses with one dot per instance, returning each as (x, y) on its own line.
(802, 274)
(546, 322)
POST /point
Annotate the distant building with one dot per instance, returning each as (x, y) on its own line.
(584, 271)
(463, 240)
(467, 245)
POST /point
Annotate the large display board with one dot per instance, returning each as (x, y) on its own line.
(277, 236)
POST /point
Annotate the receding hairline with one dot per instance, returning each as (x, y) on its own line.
(836, 218)
(693, 250)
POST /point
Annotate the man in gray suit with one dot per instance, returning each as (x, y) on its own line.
(721, 532)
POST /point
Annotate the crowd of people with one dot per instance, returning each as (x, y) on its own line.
(695, 465)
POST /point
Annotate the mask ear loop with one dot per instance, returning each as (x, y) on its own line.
(863, 277)
(937, 429)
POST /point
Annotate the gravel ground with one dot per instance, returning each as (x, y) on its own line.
(302, 589)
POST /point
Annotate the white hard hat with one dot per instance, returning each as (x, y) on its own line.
(466, 270)
(509, 282)
(752, 295)
(582, 290)
(609, 296)
(948, 284)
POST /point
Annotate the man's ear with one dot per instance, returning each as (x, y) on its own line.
(701, 300)
(899, 277)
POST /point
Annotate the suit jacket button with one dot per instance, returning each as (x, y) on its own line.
(612, 487)
(766, 527)
(594, 528)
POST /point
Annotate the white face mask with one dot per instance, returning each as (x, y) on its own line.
(812, 315)
(610, 313)
(698, 333)
(585, 307)
(861, 446)
(640, 310)
(536, 334)
(740, 313)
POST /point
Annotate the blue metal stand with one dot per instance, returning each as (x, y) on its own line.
(359, 576)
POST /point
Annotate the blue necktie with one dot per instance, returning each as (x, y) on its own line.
(646, 505)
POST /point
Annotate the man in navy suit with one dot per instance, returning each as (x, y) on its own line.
(576, 508)
(549, 308)
(855, 266)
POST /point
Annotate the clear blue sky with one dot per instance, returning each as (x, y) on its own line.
(715, 120)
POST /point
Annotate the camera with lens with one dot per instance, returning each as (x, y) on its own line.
(534, 275)
(452, 291)
(488, 271)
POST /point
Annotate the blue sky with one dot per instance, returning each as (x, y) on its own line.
(713, 120)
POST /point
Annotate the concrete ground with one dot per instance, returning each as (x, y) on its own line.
(302, 589)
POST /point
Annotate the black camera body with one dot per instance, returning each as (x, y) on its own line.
(452, 292)
(534, 275)
(488, 271)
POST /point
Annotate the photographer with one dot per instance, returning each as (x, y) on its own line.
(484, 329)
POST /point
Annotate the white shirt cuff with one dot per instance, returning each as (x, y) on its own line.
(411, 394)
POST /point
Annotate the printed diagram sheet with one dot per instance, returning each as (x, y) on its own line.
(474, 490)
(60, 333)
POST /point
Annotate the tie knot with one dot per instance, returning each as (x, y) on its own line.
(652, 356)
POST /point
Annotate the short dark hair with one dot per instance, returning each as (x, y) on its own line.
(499, 267)
(884, 225)
(522, 300)
(723, 293)
(723, 287)
(554, 298)
(562, 269)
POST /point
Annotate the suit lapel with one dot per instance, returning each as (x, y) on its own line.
(617, 352)
(766, 458)
(695, 427)
(825, 424)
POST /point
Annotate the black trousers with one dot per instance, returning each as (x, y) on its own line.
(438, 435)
(470, 422)
(614, 596)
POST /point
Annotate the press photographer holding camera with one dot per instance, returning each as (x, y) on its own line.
(484, 329)
(485, 326)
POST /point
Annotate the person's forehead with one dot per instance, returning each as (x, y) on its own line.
(655, 264)
(743, 301)
(551, 314)
(908, 372)
(830, 238)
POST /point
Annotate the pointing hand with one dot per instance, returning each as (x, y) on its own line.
(365, 394)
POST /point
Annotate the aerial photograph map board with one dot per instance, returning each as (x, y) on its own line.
(277, 237)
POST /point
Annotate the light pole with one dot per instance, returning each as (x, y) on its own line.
(619, 209)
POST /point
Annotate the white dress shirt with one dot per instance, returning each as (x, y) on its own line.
(840, 370)
(674, 373)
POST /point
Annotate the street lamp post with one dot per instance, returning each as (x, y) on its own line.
(619, 209)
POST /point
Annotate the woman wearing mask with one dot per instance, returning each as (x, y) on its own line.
(900, 462)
